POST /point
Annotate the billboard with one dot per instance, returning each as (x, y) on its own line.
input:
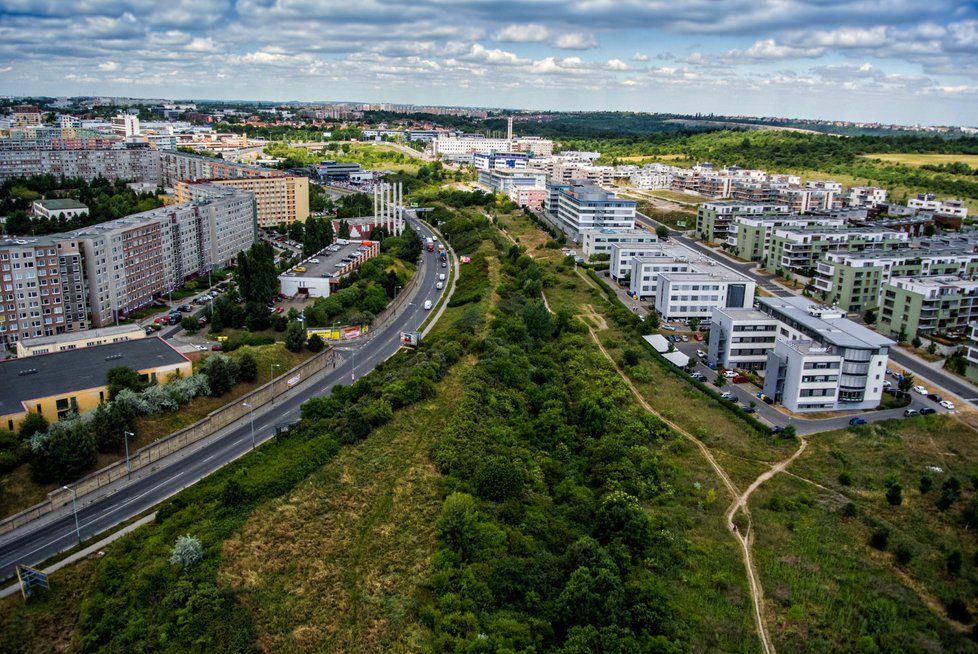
(338, 333)
(410, 339)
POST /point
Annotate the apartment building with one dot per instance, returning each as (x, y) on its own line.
(600, 241)
(131, 163)
(583, 207)
(822, 361)
(461, 148)
(713, 219)
(278, 200)
(43, 288)
(749, 236)
(808, 198)
(653, 176)
(741, 338)
(853, 280)
(694, 294)
(929, 202)
(926, 305)
(866, 196)
(126, 125)
(180, 166)
(798, 249)
(531, 197)
(25, 115)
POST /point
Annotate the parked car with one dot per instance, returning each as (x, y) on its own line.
(947, 404)
(727, 395)
(926, 411)
(698, 376)
(149, 330)
(314, 261)
(739, 379)
(887, 384)
(934, 397)
(200, 348)
(749, 409)
(202, 321)
(668, 328)
(910, 413)
(698, 336)
(767, 399)
(279, 309)
(856, 421)
(701, 354)
(685, 338)
(730, 374)
(920, 389)
(217, 347)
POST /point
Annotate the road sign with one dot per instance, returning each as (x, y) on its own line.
(30, 578)
(410, 339)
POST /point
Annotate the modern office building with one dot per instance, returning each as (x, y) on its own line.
(74, 381)
(582, 207)
(77, 340)
(713, 219)
(694, 294)
(623, 253)
(798, 249)
(852, 280)
(599, 241)
(741, 338)
(499, 160)
(927, 305)
(337, 171)
(821, 360)
(278, 200)
(643, 283)
(528, 196)
(504, 180)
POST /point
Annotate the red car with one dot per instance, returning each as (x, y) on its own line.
(698, 336)
(739, 379)
(280, 310)
(217, 347)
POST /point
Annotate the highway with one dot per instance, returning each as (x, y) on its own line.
(36, 542)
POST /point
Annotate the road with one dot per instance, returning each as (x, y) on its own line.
(35, 543)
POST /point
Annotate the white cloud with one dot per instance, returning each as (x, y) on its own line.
(493, 56)
(201, 44)
(108, 66)
(522, 33)
(575, 41)
(769, 49)
(617, 64)
(638, 56)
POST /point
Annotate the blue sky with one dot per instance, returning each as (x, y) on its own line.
(903, 61)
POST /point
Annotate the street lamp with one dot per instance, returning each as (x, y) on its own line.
(125, 436)
(271, 368)
(251, 410)
(396, 289)
(74, 508)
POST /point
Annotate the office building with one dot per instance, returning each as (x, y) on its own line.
(623, 253)
(582, 207)
(694, 294)
(741, 338)
(798, 249)
(599, 241)
(531, 197)
(337, 171)
(505, 180)
(713, 219)
(77, 340)
(499, 160)
(821, 360)
(927, 305)
(58, 384)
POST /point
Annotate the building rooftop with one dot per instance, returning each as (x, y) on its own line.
(829, 324)
(60, 373)
(808, 347)
(738, 313)
(327, 261)
(932, 285)
(67, 337)
(697, 275)
(61, 205)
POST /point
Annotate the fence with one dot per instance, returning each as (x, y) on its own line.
(152, 453)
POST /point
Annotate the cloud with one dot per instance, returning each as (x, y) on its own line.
(575, 41)
(638, 56)
(771, 50)
(522, 33)
(108, 66)
(617, 64)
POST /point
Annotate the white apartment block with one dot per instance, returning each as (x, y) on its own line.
(583, 207)
(740, 339)
(646, 268)
(929, 202)
(600, 241)
(685, 295)
(126, 125)
(866, 196)
(653, 176)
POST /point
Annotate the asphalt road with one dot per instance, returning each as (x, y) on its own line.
(33, 546)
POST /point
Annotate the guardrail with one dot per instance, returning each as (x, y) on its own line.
(151, 454)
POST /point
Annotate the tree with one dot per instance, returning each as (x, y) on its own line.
(221, 372)
(903, 553)
(694, 323)
(189, 324)
(926, 484)
(906, 383)
(64, 454)
(247, 368)
(789, 432)
(894, 492)
(108, 425)
(187, 551)
(719, 381)
(256, 274)
(295, 336)
(870, 316)
(344, 231)
(34, 423)
(902, 336)
(880, 538)
(316, 343)
(916, 342)
(537, 319)
(120, 378)
(662, 232)
(953, 562)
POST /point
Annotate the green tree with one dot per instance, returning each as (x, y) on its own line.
(221, 372)
(295, 336)
(894, 492)
(63, 455)
(247, 368)
(662, 232)
(880, 538)
(916, 342)
(344, 231)
(316, 343)
(120, 378)
(537, 319)
(952, 562)
(256, 274)
(189, 324)
(33, 423)
(187, 551)
(108, 425)
(926, 484)
(870, 316)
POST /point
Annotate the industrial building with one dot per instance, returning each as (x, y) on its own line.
(317, 275)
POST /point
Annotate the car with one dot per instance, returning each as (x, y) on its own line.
(314, 261)
(739, 379)
(727, 395)
(279, 309)
(427, 305)
(887, 384)
(217, 347)
(202, 321)
(947, 404)
(299, 269)
(777, 429)
(698, 336)
(926, 411)
(910, 413)
(440, 285)
(856, 421)
(156, 328)
(764, 398)
(668, 328)
(200, 348)
(685, 338)
(749, 409)
(698, 376)
(701, 354)
(920, 389)
(934, 397)
(730, 374)
(444, 264)
(149, 330)
(213, 293)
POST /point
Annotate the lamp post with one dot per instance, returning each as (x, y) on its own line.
(74, 508)
(125, 437)
(396, 289)
(251, 410)
(271, 368)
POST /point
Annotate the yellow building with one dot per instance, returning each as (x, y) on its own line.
(278, 200)
(74, 381)
(76, 340)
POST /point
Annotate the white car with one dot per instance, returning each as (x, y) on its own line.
(200, 348)
(947, 404)
(727, 395)
(701, 354)
(920, 389)
(314, 261)
(440, 285)
(729, 374)
(427, 305)
(887, 384)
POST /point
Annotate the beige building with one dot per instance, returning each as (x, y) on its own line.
(78, 340)
(278, 200)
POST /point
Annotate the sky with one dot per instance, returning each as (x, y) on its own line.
(893, 61)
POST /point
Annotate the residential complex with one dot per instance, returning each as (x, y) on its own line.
(798, 249)
(133, 164)
(927, 305)
(713, 219)
(278, 200)
(749, 236)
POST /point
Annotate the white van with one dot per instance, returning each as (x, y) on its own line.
(440, 285)
(427, 305)
(441, 277)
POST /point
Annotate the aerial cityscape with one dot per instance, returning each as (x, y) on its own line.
(463, 327)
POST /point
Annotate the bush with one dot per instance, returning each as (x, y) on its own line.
(903, 554)
(34, 423)
(880, 538)
(187, 551)
(316, 343)
(221, 372)
(247, 368)
(295, 337)
(64, 453)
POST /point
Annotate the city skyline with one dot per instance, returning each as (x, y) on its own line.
(893, 62)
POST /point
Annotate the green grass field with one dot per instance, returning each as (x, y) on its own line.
(916, 159)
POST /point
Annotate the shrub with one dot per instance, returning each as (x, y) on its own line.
(186, 552)
(247, 368)
(880, 538)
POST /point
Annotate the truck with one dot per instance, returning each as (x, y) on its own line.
(429, 244)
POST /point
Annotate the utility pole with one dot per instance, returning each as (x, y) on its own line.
(251, 410)
(74, 508)
(125, 436)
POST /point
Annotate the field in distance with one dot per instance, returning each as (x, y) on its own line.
(915, 159)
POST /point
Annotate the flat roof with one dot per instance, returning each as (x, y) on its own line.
(67, 337)
(719, 275)
(61, 204)
(837, 331)
(328, 259)
(60, 373)
(739, 313)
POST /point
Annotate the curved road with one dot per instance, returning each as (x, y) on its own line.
(34, 543)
